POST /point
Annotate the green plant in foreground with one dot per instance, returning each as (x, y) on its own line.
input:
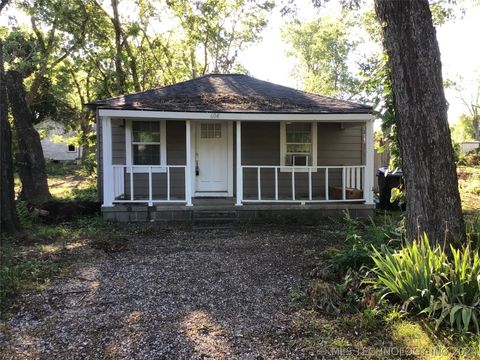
(360, 237)
(423, 278)
(459, 299)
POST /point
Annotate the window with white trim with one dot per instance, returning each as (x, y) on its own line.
(211, 131)
(298, 144)
(145, 143)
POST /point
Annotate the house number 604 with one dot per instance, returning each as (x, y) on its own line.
(214, 116)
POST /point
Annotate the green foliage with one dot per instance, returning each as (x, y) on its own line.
(15, 277)
(408, 273)
(462, 130)
(359, 238)
(219, 29)
(370, 318)
(69, 181)
(398, 196)
(322, 49)
(473, 186)
(428, 281)
(23, 214)
(473, 232)
(377, 86)
(471, 158)
(26, 268)
(68, 54)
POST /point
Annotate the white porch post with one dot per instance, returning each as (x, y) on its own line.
(239, 165)
(108, 183)
(369, 154)
(188, 170)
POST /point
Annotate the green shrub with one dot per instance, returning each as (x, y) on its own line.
(359, 238)
(473, 232)
(23, 214)
(471, 158)
(425, 280)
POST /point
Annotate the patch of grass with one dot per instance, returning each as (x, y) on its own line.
(21, 275)
(418, 341)
(70, 188)
(469, 187)
(296, 295)
(370, 318)
(339, 343)
(393, 315)
(69, 181)
(41, 252)
(351, 337)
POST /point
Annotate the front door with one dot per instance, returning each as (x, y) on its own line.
(211, 158)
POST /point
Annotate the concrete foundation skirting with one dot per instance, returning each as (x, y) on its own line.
(260, 213)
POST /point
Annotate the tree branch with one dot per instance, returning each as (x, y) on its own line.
(3, 3)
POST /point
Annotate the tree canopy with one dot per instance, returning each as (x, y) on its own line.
(322, 48)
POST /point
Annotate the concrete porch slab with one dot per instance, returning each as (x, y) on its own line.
(226, 210)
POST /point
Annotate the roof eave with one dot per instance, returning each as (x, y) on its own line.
(223, 111)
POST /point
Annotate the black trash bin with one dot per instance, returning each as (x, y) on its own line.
(387, 180)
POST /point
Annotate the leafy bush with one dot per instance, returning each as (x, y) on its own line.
(473, 232)
(471, 158)
(359, 238)
(23, 213)
(424, 279)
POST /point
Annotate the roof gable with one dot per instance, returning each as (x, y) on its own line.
(230, 93)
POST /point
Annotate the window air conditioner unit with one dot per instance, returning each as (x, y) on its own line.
(299, 160)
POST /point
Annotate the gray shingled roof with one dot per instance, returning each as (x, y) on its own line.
(229, 93)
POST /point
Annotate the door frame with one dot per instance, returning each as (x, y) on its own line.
(193, 149)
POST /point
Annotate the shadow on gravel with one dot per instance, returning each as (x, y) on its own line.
(176, 293)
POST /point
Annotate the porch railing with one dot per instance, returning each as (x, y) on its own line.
(348, 185)
(127, 188)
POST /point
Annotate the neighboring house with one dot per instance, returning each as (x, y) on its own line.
(235, 144)
(56, 142)
(467, 146)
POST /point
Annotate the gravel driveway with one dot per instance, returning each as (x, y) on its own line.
(174, 294)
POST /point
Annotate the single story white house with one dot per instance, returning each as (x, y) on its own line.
(234, 144)
(56, 144)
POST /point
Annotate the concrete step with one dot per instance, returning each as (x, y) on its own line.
(214, 219)
(214, 215)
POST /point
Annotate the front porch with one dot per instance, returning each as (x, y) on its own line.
(247, 177)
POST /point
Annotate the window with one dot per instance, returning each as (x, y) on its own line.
(211, 131)
(71, 148)
(146, 142)
(298, 143)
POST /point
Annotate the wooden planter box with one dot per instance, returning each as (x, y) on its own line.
(335, 193)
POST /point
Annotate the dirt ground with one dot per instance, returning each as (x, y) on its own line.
(174, 293)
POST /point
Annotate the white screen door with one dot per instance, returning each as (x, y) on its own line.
(211, 157)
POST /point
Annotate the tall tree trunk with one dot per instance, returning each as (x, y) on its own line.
(433, 200)
(8, 216)
(31, 163)
(133, 65)
(121, 78)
